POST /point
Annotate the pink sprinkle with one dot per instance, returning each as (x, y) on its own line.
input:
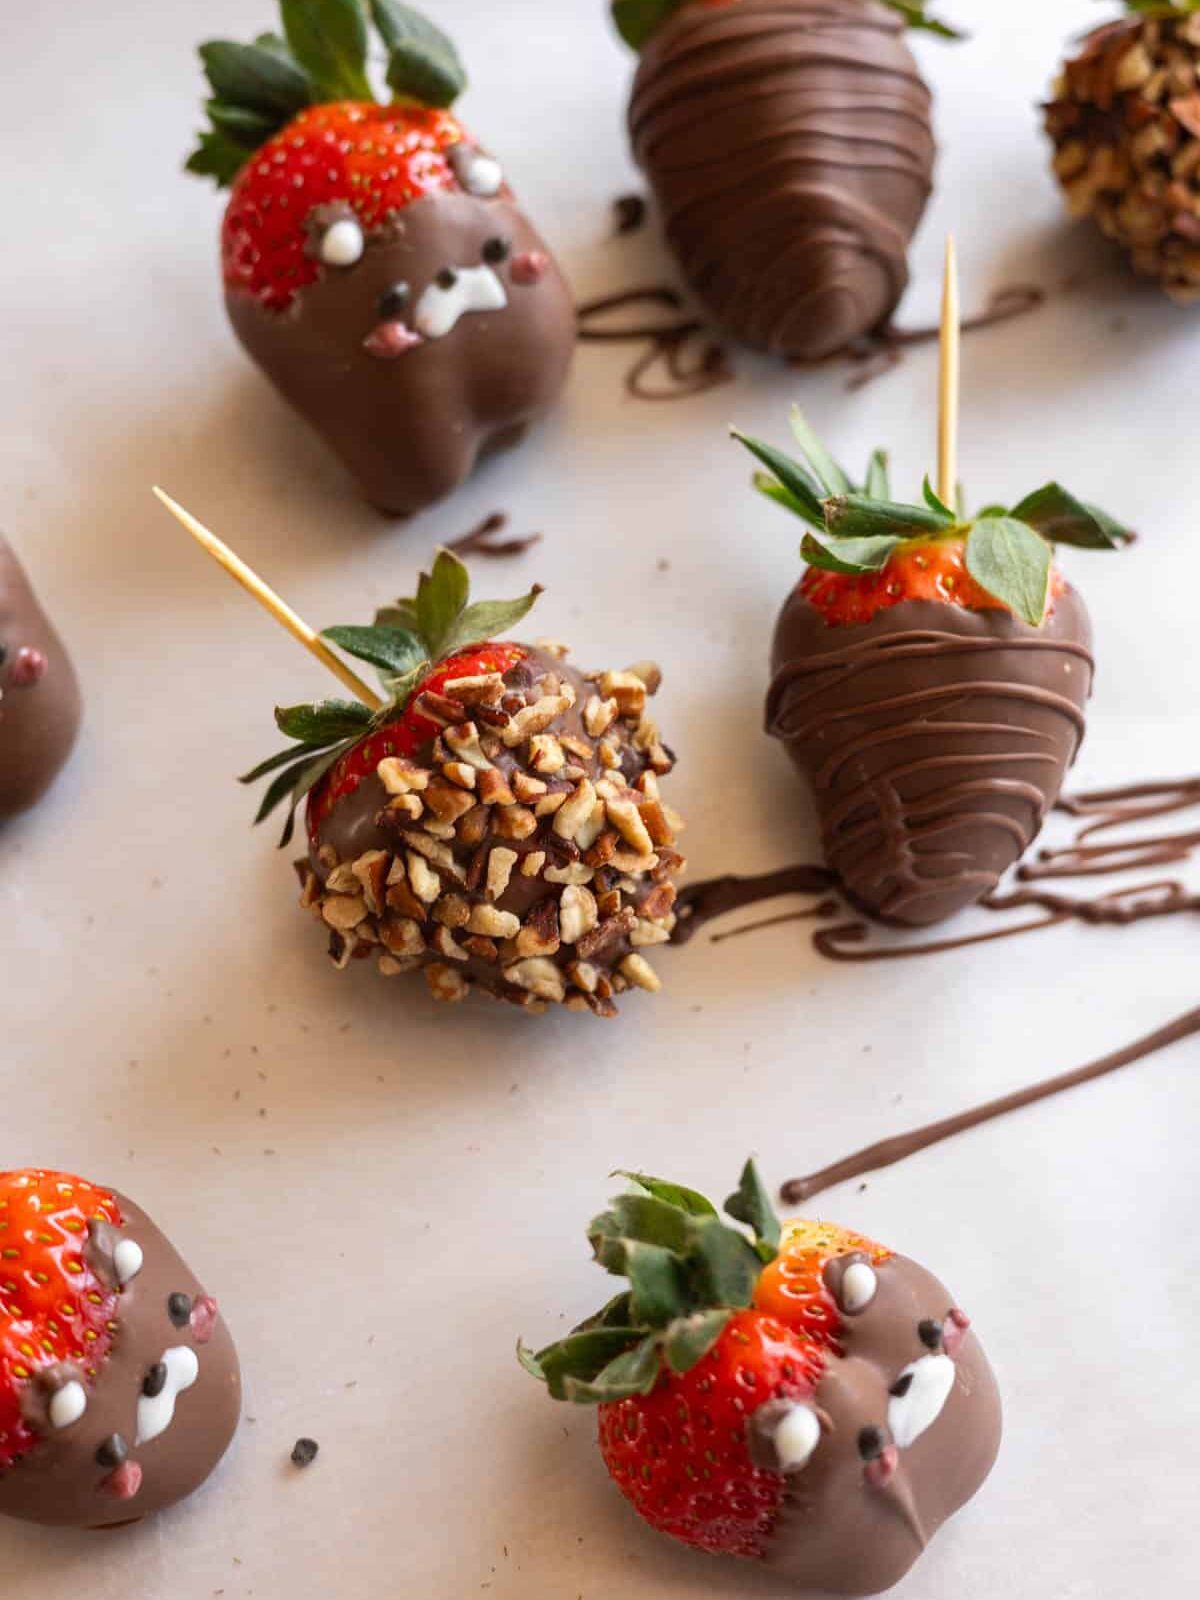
(389, 340)
(954, 1331)
(880, 1472)
(530, 267)
(124, 1482)
(204, 1318)
(29, 666)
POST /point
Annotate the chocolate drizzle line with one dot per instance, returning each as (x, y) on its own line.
(481, 541)
(880, 352)
(889, 1151)
(690, 359)
(1100, 810)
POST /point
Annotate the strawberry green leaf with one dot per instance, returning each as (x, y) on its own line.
(800, 486)
(616, 1314)
(583, 1356)
(294, 754)
(878, 486)
(1012, 562)
(642, 1218)
(329, 40)
(400, 614)
(282, 786)
(858, 516)
(529, 1361)
(696, 1205)
(750, 1203)
(636, 20)
(916, 17)
(849, 555)
(633, 1372)
(1062, 519)
(487, 619)
(658, 1286)
(831, 477)
(246, 128)
(724, 1265)
(691, 1338)
(391, 649)
(441, 598)
(217, 156)
(423, 64)
(774, 490)
(934, 501)
(257, 78)
(324, 722)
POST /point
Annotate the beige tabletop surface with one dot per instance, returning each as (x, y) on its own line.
(384, 1194)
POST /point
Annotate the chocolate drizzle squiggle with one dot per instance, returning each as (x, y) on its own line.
(789, 147)
(691, 361)
(889, 1151)
(482, 540)
(935, 739)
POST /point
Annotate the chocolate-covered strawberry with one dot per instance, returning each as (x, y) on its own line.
(376, 264)
(39, 693)
(1124, 116)
(930, 673)
(119, 1383)
(797, 1396)
(498, 823)
(789, 147)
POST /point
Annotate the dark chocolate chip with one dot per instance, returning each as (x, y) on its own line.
(155, 1380)
(930, 1333)
(496, 250)
(447, 278)
(112, 1452)
(871, 1443)
(304, 1452)
(392, 302)
(179, 1309)
(630, 210)
(902, 1385)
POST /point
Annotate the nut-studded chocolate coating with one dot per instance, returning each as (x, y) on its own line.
(526, 850)
(1124, 116)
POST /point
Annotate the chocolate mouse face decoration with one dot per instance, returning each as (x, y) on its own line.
(376, 264)
(806, 1399)
(789, 147)
(119, 1383)
(39, 693)
(929, 676)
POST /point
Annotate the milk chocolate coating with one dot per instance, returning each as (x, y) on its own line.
(410, 429)
(837, 1532)
(789, 147)
(39, 718)
(936, 739)
(60, 1482)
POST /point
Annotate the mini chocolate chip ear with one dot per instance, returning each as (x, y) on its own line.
(902, 1385)
(871, 1443)
(179, 1309)
(155, 1380)
(446, 278)
(930, 1333)
(112, 1452)
(496, 250)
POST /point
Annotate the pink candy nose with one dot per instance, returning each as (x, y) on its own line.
(204, 1318)
(29, 667)
(387, 340)
(954, 1331)
(883, 1468)
(529, 267)
(124, 1482)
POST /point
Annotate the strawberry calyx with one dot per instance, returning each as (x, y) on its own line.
(689, 1274)
(876, 549)
(321, 57)
(415, 645)
(636, 20)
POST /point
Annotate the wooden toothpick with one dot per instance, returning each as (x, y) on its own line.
(270, 601)
(948, 386)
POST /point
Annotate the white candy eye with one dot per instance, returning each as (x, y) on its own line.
(859, 1284)
(918, 1396)
(478, 174)
(127, 1260)
(342, 243)
(67, 1405)
(796, 1437)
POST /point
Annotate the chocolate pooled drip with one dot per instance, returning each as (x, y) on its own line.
(936, 740)
(789, 147)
